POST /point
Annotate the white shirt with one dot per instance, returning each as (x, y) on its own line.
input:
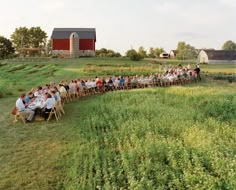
(50, 102)
(36, 94)
(20, 105)
(72, 87)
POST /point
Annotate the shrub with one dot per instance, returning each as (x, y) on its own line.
(133, 55)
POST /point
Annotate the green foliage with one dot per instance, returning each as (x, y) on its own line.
(186, 51)
(230, 78)
(6, 49)
(21, 38)
(133, 55)
(107, 53)
(223, 109)
(33, 37)
(229, 45)
(49, 47)
(37, 37)
(142, 52)
(155, 52)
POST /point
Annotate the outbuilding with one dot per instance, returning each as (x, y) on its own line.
(217, 57)
(173, 54)
(63, 38)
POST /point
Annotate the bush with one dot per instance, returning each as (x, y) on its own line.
(230, 78)
(107, 53)
(54, 56)
(133, 55)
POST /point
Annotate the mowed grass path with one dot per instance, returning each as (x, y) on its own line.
(161, 138)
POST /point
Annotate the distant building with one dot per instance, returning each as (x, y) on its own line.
(217, 57)
(173, 54)
(164, 56)
(64, 42)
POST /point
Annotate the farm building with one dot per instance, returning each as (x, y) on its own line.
(73, 42)
(217, 57)
(164, 56)
(173, 54)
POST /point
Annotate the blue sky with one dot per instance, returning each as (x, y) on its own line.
(124, 24)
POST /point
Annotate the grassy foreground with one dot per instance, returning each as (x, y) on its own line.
(162, 138)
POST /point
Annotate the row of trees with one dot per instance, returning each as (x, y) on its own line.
(35, 37)
(185, 51)
(21, 38)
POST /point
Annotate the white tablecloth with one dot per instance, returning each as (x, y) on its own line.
(37, 103)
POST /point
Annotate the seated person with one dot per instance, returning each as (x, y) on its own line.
(39, 91)
(110, 84)
(29, 97)
(28, 113)
(122, 82)
(56, 95)
(62, 90)
(49, 104)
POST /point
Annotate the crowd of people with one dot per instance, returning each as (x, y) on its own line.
(42, 100)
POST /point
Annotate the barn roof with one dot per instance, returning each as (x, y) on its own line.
(174, 51)
(220, 54)
(64, 33)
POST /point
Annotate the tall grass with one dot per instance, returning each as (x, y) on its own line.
(172, 138)
(163, 138)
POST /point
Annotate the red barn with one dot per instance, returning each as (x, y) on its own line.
(61, 41)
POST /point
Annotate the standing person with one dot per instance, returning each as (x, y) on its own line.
(28, 113)
(197, 71)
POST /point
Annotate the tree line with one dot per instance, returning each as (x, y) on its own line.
(25, 39)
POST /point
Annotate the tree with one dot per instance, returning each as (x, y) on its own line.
(33, 37)
(37, 37)
(229, 45)
(20, 38)
(133, 55)
(155, 52)
(6, 48)
(49, 47)
(158, 51)
(185, 51)
(142, 52)
(151, 53)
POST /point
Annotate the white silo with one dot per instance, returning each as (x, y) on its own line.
(74, 45)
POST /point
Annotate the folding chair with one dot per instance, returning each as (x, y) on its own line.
(20, 115)
(59, 108)
(53, 112)
(68, 97)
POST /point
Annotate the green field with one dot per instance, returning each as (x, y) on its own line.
(181, 137)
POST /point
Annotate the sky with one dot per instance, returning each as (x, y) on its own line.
(126, 24)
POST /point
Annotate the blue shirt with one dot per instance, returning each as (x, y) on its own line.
(27, 99)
